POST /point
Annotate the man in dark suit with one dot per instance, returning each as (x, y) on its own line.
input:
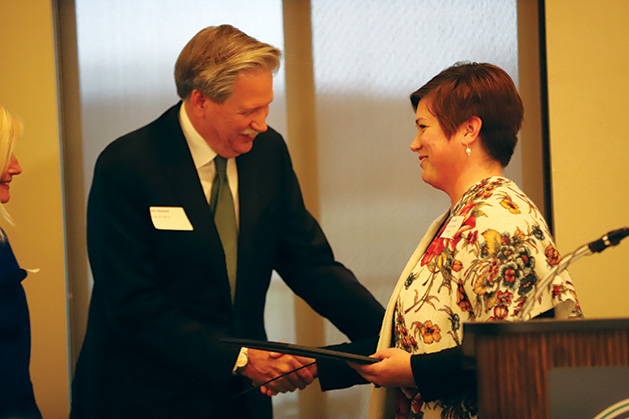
(167, 284)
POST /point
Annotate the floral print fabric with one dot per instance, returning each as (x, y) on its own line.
(486, 259)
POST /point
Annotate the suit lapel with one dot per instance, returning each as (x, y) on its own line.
(185, 184)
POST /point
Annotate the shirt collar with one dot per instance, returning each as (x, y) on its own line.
(202, 153)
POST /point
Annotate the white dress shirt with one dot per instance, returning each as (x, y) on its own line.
(203, 157)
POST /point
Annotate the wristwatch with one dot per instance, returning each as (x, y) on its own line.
(242, 361)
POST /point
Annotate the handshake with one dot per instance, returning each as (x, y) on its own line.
(277, 373)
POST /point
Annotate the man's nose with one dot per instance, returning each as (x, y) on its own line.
(259, 121)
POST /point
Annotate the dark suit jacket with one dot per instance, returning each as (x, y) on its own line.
(17, 399)
(161, 298)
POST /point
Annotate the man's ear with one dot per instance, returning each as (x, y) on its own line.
(197, 103)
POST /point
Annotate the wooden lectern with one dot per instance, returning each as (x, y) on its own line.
(513, 359)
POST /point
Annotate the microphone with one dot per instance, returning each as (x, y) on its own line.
(607, 240)
(610, 239)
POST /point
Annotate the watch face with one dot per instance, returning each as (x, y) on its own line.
(242, 359)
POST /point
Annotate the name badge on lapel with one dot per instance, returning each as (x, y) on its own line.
(170, 218)
(453, 227)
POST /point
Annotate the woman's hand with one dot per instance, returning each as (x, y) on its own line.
(393, 371)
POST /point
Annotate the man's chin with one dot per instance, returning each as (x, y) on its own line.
(244, 147)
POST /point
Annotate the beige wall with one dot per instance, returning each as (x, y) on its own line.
(28, 86)
(588, 72)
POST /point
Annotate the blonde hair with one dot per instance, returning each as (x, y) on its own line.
(10, 130)
(212, 59)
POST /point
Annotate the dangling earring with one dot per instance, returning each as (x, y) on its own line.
(468, 151)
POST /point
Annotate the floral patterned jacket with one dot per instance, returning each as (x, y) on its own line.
(479, 263)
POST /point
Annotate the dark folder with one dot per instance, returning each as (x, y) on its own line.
(300, 350)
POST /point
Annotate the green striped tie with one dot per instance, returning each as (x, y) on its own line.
(222, 205)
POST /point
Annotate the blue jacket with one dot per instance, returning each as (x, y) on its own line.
(16, 391)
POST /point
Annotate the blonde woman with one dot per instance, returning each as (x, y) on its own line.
(17, 400)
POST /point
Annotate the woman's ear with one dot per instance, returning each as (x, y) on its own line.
(471, 129)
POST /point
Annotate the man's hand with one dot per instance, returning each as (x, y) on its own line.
(393, 371)
(264, 366)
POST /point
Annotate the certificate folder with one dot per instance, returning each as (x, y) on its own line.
(299, 350)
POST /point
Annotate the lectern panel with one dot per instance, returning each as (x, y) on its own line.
(513, 359)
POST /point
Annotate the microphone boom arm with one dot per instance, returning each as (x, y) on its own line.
(610, 239)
